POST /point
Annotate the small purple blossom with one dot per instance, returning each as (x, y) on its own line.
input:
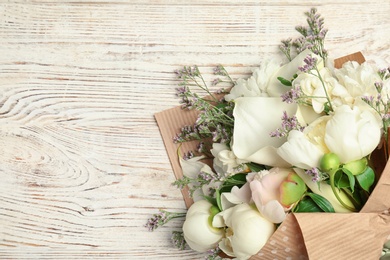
(178, 240)
(288, 124)
(188, 155)
(161, 219)
(215, 82)
(292, 96)
(310, 63)
(314, 173)
(378, 86)
(207, 177)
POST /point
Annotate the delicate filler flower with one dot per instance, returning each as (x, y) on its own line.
(178, 240)
(310, 64)
(288, 124)
(161, 219)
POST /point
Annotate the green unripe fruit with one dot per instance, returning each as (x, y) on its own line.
(329, 161)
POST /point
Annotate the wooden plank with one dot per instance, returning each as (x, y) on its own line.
(82, 164)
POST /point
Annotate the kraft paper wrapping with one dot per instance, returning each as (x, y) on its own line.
(305, 235)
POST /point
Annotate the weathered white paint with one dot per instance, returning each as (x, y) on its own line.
(82, 164)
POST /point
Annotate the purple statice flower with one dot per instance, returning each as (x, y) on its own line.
(215, 82)
(206, 177)
(188, 155)
(314, 173)
(288, 124)
(213, 254)
(178, 240)
(161, 219)
(379, 86)
(368, 99)
(292, 96)
(310, 63)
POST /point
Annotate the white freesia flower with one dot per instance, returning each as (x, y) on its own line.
(352, 134)
(358, 79)
(326, 191)
(225, 161)
(247, 231)
(257, 84)
(198, 232)
(255, 119)
(313, 87)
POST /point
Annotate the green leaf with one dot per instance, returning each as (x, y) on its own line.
(321, 202)
(351, 178)
(236, 180)
(366, 179)
(307, 205)
(284, 81)
(254, 167)
(341, 180)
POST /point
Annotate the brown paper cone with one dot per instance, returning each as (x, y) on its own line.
(344, 235)
(304, 235)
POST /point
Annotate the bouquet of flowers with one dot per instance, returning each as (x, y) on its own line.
(264, 160)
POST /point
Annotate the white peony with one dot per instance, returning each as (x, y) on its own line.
(247, 232)
(197, 229)
(352, 134)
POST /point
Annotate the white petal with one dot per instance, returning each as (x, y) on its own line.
(300, 152)
(352, 134)
(229, 200)
(273, 211)
(255, 119)
(275, 88)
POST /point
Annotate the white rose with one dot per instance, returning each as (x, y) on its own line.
(198, 232)
(247, 231)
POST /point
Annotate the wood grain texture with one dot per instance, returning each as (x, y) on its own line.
(82, 163)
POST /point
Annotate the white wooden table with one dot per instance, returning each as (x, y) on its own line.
(82, 163)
